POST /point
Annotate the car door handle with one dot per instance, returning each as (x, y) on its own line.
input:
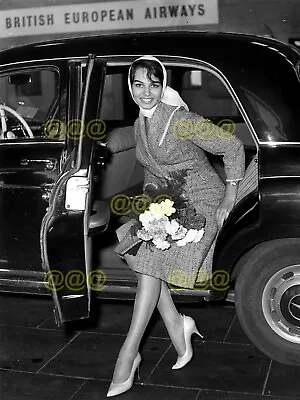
(46, 189)
(50, 164)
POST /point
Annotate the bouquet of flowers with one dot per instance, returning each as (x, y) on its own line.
(171, 220)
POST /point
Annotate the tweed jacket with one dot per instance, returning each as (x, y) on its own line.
(188, 136)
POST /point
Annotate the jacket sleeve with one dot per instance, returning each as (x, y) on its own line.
(150, 180)
(213, 139)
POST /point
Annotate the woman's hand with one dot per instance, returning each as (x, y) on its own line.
(223, 210)
(226, 204)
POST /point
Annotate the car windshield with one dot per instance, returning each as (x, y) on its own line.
(31, 93)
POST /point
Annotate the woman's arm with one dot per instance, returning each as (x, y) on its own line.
(213, 139)
(227, 203)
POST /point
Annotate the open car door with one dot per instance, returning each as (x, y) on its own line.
(67, 226)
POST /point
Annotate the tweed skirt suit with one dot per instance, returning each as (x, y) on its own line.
(172, 140)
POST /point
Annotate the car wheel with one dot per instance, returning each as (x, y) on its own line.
(267, 294)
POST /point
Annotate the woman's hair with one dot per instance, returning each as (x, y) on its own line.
(152, 67)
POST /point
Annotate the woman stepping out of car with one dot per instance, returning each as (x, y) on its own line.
(171, 143)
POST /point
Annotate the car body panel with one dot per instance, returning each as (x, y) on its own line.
(24, 181)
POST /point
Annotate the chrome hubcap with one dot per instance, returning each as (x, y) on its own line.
(281, 303)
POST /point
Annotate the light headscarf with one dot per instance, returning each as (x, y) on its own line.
(169, 95)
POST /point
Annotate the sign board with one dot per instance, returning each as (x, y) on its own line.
(105, 16)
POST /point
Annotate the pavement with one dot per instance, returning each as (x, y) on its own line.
(39, 361)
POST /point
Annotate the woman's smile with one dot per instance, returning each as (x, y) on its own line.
(147, 93)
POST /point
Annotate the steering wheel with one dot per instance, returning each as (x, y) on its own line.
(19, 118)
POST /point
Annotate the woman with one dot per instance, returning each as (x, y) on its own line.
(163, 148)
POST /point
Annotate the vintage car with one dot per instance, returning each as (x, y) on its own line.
(69, 176)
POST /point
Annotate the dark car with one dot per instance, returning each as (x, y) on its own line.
(69, 176)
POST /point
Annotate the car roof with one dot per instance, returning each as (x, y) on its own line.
(212, 46)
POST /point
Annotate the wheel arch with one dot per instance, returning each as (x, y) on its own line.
(234, 268)
(238, 266)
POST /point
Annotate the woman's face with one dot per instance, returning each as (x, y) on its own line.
(146, 93)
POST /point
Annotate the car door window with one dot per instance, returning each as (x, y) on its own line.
(31, 94)
(207, 95)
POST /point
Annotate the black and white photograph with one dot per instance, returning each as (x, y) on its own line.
(149, 199)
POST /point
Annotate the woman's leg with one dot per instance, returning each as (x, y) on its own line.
(171, 318)
(148, 291)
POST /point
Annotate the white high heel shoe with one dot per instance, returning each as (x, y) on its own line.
(189, 327)
(118, 388)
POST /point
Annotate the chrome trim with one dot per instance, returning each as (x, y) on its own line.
(270, 143)
(279, 177)
(72, 296)
(285, 280)
(14, 142)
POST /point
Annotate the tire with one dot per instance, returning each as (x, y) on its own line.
(267, 294)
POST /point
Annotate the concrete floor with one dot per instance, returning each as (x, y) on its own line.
(39, 361)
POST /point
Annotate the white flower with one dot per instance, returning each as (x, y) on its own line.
(143, 234)
(172, 227)
(162, 208)
(146, 218)
(158, 225)
(167, 207)
(199, 236)
(176, 230)
(193, 235)
(180, 234)
(161, 244)
(156, 210)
